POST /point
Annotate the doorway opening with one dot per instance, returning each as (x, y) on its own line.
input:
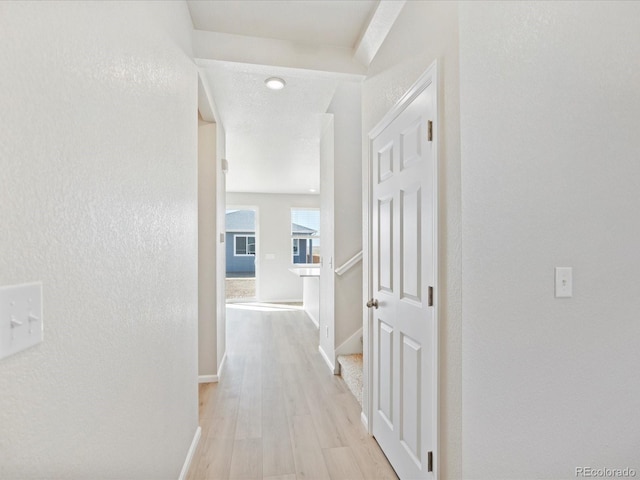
(241, 247)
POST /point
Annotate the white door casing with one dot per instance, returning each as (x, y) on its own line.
(403, 260)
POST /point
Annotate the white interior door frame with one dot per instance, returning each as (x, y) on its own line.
(429, 77)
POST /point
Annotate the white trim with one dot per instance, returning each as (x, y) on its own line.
(209, 107)
(426, 79)
(213, 378)
(326, 359)
(280, 300)
(429, 77)
(349, 264)
(190, 454)
(367, 345)
(353, 344)
(224, 359)
(378, 27)
(207, 378)
(204, 103)
(242, 300)
(215, 48)
(313, 319)
(365, 422)
(436, 272)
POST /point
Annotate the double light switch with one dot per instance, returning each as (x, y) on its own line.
(20, 318)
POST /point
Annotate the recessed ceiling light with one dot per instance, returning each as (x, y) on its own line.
(275, 83)
(312, 190)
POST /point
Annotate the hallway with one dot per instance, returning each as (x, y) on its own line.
(278, 412)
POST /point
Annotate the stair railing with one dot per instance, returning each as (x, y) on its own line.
(349, 264)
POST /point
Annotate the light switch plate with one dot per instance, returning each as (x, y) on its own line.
(564, 282)
(20, 317)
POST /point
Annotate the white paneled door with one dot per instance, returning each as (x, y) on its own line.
(403, 273)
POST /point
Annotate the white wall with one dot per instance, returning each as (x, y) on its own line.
(98, 199)
(311, 298)
(275, 283)
(221, 259)
(341, 195)
(346, 107)
(327, 202)
(424, 32)
(550, 117)
(211, 252)
(207, 250)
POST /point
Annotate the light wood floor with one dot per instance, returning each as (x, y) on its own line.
(278, 412)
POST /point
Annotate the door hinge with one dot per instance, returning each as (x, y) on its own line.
(429, 461)
(430, 297)
(430, 131)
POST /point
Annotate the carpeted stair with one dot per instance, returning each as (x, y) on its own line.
(351, 373)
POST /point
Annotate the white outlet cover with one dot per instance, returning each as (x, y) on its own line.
(20, 317)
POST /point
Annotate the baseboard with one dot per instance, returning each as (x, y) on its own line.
(213, 378)
(241, 300)
(190, 454)
(332, 367)
(224, 359)
(364, 420)
(280, 300)
(207, 378)
(351, 344)
(313, 319)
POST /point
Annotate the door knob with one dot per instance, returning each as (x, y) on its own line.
(372, 303)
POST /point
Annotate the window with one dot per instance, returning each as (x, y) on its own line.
(244, 245)
(305, 235)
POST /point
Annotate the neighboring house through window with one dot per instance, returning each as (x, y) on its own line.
(244, 245)
(240, 242)
(305, 235)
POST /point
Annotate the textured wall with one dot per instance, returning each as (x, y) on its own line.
(98, 199)
(550, 109)
(424, 32)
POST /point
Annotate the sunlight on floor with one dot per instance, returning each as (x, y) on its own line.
(265, 307)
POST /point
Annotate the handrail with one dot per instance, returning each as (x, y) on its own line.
(348, 265)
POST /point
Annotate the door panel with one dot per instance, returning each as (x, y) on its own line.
(410, 397)
(402, 270)
(385, 372)
(410, 248)
(385, 163)
(385, 253)
(411, 145)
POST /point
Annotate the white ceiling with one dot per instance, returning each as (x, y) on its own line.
(317, 22)
(272, 137)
